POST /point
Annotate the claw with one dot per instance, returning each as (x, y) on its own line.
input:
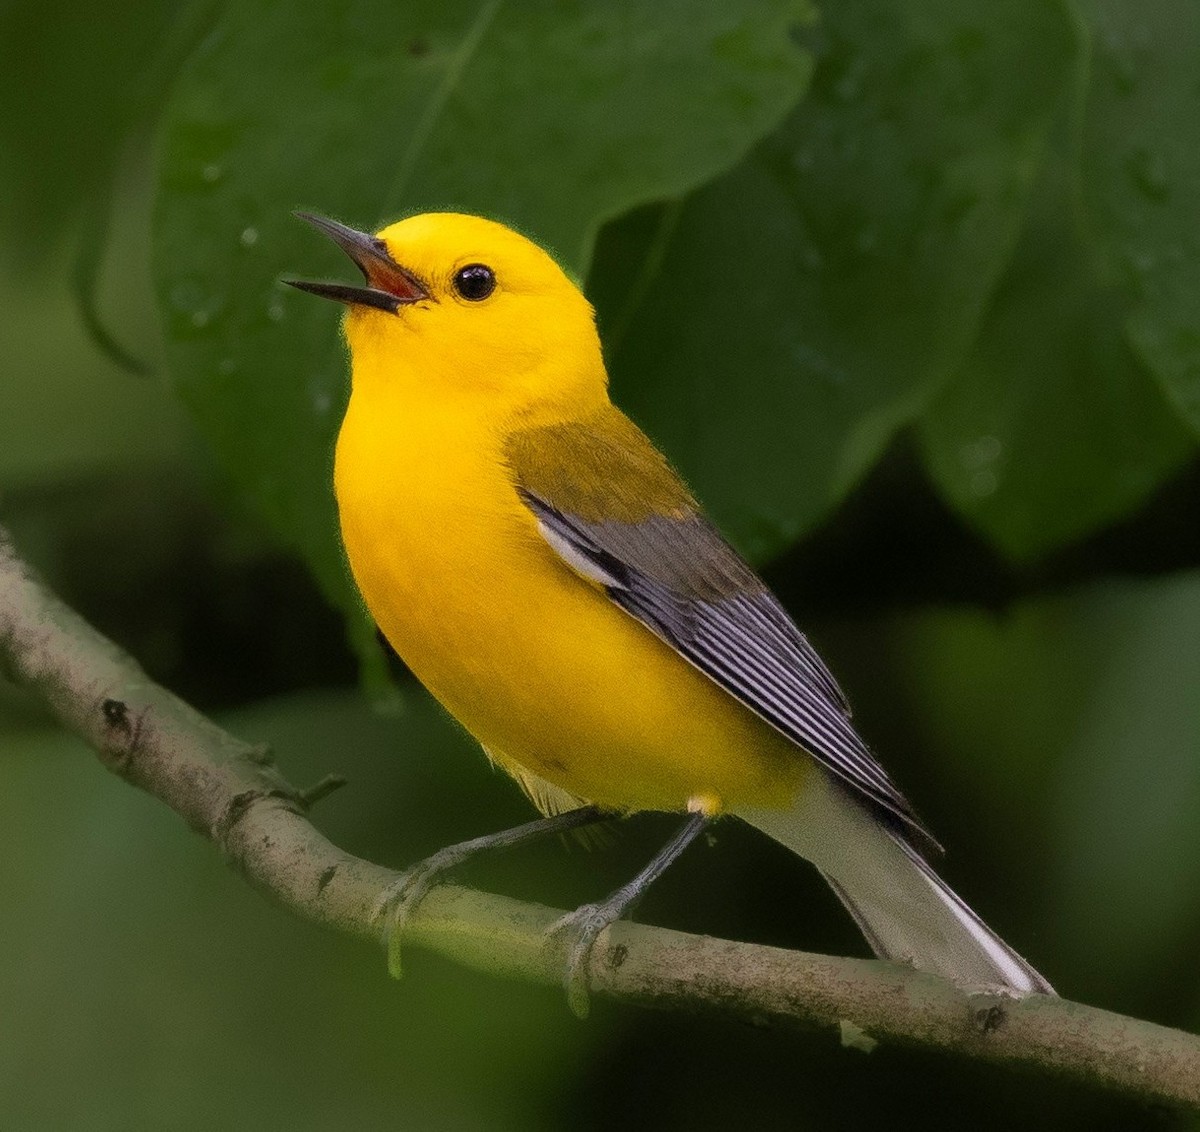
(396, 904)
(391, 909)
(585, 924)
(583, 928)
(399, 900)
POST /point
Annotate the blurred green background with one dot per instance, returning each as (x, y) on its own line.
(911, 293)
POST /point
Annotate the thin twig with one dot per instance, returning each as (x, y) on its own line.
(311, 795)
(228, 790)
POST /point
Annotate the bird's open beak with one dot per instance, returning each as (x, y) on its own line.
(389, 286)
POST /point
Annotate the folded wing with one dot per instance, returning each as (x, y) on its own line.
(671, 569)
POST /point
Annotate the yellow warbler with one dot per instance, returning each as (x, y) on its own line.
(541, 568)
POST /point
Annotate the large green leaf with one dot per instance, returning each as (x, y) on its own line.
(553, 116)
(66, 411)
(796, 312)
(76, 80)
(1068, 730)
(1052, 427)
(1141, 178)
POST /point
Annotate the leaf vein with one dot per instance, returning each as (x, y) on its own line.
(437, 102)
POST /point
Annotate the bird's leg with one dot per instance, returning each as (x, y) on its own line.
(584, 924)
(397, 902)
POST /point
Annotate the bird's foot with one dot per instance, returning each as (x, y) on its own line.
(583, 926)
(396, 903)
(580, 930)
(399, 900)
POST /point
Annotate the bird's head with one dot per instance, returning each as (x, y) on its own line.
(457, 305)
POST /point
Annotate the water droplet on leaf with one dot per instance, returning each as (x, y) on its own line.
(803, 159)
(319, 393)
(1143, 261)
(817, 365)
(866, 239)
(984, 483)
(979, 453)
(193, 308)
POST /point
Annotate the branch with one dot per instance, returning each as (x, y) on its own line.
(228, 791)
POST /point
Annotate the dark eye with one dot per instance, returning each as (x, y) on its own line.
(475, 282)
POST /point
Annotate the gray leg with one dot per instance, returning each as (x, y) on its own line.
(397, 902)
(586, 923)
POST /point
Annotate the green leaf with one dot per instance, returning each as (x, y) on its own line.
(1069, 728)
(793, 315)
(76, 81)
(1051, 428)
(1141, 177)
(554, 117)
(66, 412)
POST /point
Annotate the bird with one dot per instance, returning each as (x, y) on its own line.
(543, 570)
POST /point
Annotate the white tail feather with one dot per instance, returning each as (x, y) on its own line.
(905, 910)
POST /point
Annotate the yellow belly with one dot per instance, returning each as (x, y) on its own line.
(534, 661)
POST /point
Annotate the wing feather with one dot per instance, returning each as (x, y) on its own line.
(678, 576)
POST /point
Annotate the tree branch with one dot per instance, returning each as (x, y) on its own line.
(228, 791)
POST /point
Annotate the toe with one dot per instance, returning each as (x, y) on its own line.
(581, 928)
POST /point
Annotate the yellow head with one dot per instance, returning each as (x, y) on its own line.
(465, 309)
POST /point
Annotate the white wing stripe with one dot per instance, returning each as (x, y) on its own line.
(744, 641)
(804, 722)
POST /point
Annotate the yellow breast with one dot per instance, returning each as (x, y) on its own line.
(536, 662)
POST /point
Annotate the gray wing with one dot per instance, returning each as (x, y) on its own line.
(679, 577)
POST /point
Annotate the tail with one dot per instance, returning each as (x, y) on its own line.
(906, 911)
